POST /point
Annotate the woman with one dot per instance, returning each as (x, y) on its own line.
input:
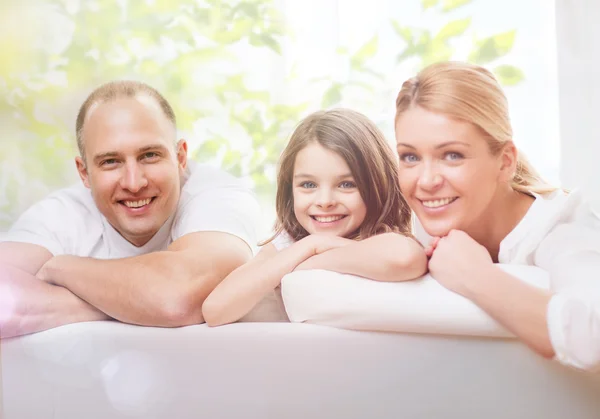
(483, 203)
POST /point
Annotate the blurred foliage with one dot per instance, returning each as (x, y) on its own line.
(192, 51)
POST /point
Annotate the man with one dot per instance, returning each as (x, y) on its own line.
(144, 240)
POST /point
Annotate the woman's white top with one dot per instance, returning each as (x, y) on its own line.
(561, 234)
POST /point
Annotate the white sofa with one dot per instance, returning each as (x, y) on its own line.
(282, 370)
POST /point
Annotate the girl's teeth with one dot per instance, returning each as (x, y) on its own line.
(329, 219)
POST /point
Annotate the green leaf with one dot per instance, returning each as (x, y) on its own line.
(509, 75)
(365, 52)
(449, 5)
(426, 4)
(265, 39)
(491, 48)
(403, 31)
(332, 96)
(454, 28)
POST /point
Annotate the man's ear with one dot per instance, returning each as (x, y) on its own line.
(509, 157)
(82, 170)
(182, 150)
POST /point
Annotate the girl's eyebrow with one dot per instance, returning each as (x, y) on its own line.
(304, 175)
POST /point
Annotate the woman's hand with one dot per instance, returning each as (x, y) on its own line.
(458, 262)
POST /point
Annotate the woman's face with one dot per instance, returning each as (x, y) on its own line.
(447, 172)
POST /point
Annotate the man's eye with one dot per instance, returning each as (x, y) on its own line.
(150, 155)
(108, 162)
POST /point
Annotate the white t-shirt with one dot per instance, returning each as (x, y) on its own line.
(282, 241)
(561, 234)
(68, 221)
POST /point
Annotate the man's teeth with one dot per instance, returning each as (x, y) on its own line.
(329, 219)
(137, 204)
(437, 202)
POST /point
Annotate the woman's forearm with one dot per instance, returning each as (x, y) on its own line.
(518, 306)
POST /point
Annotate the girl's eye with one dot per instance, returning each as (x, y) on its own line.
(308, 185)
(453, 156)
(409, 158)
(347, 185)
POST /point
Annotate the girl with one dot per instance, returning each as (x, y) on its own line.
(339, 208)
(483, 203)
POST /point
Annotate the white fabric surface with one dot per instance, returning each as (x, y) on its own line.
(281, 370)
(68, 221)
(419, 306)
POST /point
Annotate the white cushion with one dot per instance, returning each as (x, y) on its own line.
(419, 306)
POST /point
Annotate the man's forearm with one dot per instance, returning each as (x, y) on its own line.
(145, 290)
(28, 305)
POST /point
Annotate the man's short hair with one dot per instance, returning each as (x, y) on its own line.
(116, 90)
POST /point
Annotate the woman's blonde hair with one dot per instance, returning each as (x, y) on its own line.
(372, 163)
(470, 93)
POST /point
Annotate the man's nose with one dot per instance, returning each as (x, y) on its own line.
(134, 178)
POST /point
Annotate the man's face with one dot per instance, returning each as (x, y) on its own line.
(131, 165)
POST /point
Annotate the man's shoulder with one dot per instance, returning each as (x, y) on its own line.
(204, 178)
(74, 199)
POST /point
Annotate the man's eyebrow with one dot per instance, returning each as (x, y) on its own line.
(152, 147)
(102, 156)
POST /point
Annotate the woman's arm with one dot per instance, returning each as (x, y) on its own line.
(563, 323)
(388, 257)
(245, 287)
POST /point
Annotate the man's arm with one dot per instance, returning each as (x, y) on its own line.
(28, 305)
(165, 288)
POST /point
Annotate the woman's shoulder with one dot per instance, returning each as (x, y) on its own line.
(556, 219)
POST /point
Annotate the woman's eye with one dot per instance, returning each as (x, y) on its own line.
(308, 185)
(347, 185)
(409, 158)
(453, 156)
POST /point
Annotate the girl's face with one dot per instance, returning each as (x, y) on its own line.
(326, 198)
(447, 173)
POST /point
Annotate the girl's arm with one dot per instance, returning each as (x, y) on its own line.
(387, 257)
(246, 286)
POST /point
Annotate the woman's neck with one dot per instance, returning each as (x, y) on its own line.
(506, 210)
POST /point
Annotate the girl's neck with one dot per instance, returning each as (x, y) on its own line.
(505, 212)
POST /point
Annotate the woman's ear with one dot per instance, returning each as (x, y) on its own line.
(509, 157)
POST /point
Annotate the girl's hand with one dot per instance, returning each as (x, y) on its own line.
(458, 262)
(429, 249)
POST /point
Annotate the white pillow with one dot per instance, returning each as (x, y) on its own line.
(419, 306)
